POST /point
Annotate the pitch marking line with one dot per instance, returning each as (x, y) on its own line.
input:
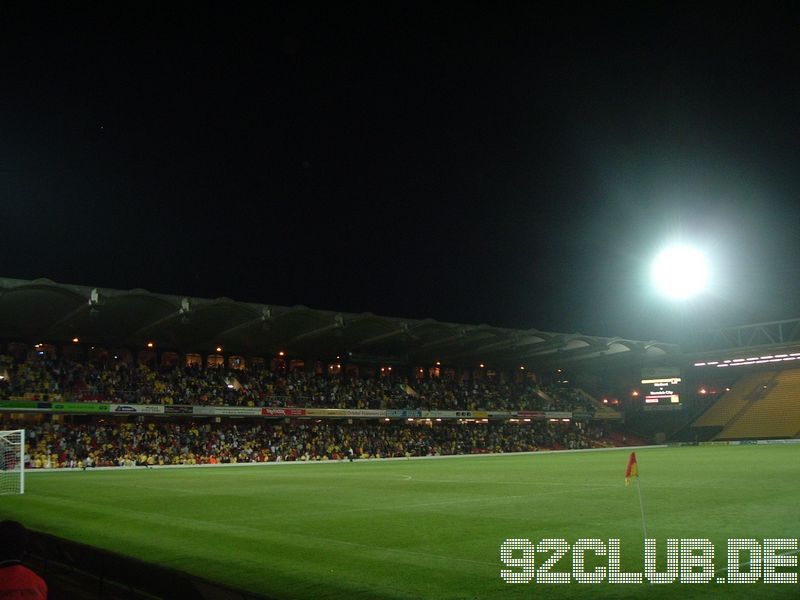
(747, 564)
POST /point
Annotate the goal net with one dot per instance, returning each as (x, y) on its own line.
(12, 462)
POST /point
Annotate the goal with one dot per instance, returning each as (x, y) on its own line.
(12, 462)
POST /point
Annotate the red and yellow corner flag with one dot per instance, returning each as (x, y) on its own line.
(633, 468)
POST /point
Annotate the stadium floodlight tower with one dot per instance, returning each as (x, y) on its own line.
(12, 462)
(680, 272)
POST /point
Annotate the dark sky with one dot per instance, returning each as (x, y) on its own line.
(506, 163)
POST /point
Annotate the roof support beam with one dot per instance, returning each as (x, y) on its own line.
(515, 341)
(265, 317)
(91, 303)
(338, 324)
(401, 330)
(458, 337)
(142, 331)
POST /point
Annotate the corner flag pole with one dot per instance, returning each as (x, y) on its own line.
(633, 471)
(641, 507)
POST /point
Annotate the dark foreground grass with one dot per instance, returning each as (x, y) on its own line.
(422, 528)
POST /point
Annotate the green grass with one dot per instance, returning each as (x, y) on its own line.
(422, 528)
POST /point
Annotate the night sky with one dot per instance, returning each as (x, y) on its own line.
(504, 164)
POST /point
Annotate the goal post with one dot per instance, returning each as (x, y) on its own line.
(12, 462)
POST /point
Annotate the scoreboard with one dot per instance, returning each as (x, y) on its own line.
(662, 388)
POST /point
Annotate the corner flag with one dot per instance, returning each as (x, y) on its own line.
(632, 470)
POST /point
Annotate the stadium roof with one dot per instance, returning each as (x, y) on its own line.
(42, 310)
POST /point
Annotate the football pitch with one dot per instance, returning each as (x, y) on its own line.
(426, 528)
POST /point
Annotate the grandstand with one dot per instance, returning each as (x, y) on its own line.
(110, 380)
(74, 350)
(731, 404)
(775, 413)
(762, 384)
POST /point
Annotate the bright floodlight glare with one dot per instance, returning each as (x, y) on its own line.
(680, 272)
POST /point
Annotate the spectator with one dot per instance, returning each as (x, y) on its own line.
(124, 444)
(17, 581)
(40, 379)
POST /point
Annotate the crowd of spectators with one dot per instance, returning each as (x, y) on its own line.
(117, 382)
(126, 443)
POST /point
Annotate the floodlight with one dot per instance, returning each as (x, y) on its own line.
(680, 272)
